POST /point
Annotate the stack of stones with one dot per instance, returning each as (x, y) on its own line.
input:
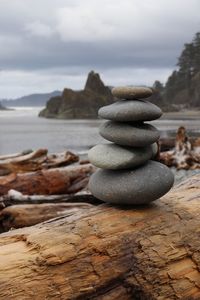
(128, 174)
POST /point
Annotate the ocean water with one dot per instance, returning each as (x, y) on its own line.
(21, 129)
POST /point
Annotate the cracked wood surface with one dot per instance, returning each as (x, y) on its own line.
(109, 253)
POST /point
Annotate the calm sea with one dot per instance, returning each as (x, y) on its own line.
(21, 129)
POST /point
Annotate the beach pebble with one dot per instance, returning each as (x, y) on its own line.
(154, 149)
(139, 186)
(129, 134)
(112, 156)
(131, 93)
(130, 111)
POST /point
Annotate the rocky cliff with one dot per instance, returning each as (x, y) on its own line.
(82, 104)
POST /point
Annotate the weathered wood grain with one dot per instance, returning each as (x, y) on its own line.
(108, 252)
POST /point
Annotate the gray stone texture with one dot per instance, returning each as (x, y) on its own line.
(130, 111)
(129, 134)
(139, 186)
(112, 156)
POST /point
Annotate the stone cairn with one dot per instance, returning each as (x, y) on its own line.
(128, 174)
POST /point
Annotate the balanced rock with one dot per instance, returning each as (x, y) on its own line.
(127, 174)
(130, 111)
(137, 186)
(132, 92)
(112, 156)
(129, 134)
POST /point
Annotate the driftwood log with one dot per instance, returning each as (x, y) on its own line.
(14, 197)
(17, 216)
(108, 253)
(184, 155)
(18, 210)
(64, 180)
(14, 155)
(34, 161)
(167, 143)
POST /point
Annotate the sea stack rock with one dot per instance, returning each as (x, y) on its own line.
(128, 175)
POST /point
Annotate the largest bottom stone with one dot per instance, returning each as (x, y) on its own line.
(139, 186)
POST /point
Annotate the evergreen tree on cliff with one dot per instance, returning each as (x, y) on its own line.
(182, 88)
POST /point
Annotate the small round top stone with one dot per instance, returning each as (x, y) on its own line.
(131, 93)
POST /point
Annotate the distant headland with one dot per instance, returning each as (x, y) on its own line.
(37, 99)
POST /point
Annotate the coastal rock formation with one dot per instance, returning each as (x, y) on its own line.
(82, 104)
(128, 176)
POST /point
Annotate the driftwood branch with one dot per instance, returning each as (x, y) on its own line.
(64, 180)
(34, 161)
(16, 198)
(106, 252)
(184, 155)
(14, 155)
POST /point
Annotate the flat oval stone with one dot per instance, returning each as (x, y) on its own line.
(129, 134)
(139, 186)
(125, 92)
(130, 111)
(112, 156)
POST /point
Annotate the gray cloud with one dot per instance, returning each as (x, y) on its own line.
(58, 42)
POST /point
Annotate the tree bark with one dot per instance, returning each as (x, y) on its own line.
(48, 182)
(150, 252)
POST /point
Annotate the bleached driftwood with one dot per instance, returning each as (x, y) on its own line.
(184, 155)
(109, 253)
(168, 143)
(14, 155)
(14, 198)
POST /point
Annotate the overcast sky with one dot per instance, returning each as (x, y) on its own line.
(52, 44)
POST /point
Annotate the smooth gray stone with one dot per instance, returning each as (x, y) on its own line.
(130, 111)
(129, 134)
(154, 149)
(139, 186)
(124, 92)
(112, 156)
